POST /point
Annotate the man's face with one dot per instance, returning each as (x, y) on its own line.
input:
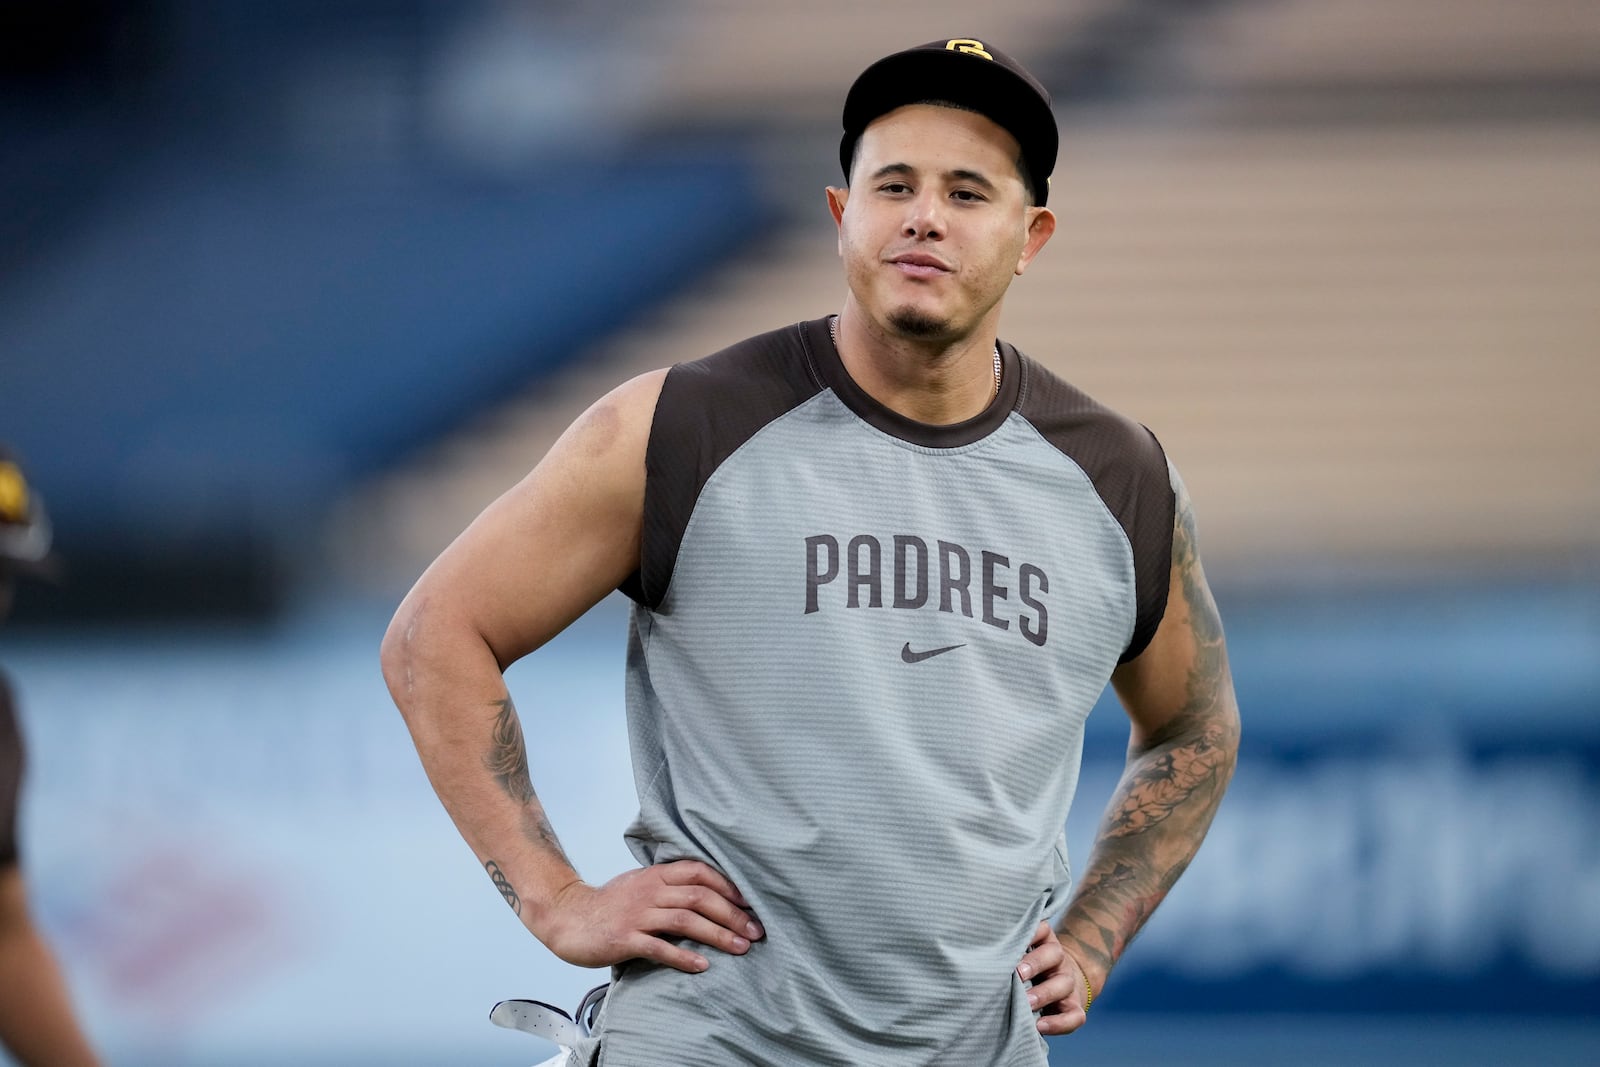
(935, 223)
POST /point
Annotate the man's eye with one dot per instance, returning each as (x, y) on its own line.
(967, 194)
(897, 187)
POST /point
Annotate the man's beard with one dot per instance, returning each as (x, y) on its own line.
(910, 322)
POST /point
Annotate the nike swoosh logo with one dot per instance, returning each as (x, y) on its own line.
(917, 657)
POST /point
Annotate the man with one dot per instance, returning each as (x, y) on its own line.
(36, 1022)
(882, 566)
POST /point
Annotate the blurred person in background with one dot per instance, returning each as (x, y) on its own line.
(37, 1025)
(883, 565)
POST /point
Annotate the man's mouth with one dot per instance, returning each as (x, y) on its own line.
(919, 265)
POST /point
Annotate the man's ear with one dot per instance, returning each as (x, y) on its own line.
(837, 195)
(1041, 224)
(836, 200)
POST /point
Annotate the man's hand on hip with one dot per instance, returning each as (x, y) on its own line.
(634, 915)
(1058, 991)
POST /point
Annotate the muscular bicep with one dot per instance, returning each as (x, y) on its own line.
(556, 543)
(1181, 681)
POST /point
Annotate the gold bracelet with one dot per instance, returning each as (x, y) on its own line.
(1088, 990)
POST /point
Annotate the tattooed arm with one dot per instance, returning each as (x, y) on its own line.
(1184, 740)
(535, 560)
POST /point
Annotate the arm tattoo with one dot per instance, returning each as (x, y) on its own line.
(508, 757)
(498, 877)
(507, 760)
(1173, 783)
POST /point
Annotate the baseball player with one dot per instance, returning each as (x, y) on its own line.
(37, 1025)
(882, 565)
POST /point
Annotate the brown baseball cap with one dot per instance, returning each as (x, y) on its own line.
(967, 72)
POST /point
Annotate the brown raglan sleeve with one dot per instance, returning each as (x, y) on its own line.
(1129, 471)
(706, 411)
(1151, 511)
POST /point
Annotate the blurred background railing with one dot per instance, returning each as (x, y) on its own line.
(289, 292)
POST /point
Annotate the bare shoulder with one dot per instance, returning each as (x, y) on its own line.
(556, 543)
(622, 416)
(593, 473)
(1185, 542)
(1196, 606)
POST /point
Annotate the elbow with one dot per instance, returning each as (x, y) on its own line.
(1222, 736)
(1206, 731)
(427, 652)
(1225, 723)
(397, 655)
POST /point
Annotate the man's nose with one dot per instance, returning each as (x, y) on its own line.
(925, 219)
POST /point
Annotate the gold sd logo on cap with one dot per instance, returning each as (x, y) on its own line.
(13, 493)
(970, 47)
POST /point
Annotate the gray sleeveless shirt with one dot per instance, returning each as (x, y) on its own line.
(862, 653)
